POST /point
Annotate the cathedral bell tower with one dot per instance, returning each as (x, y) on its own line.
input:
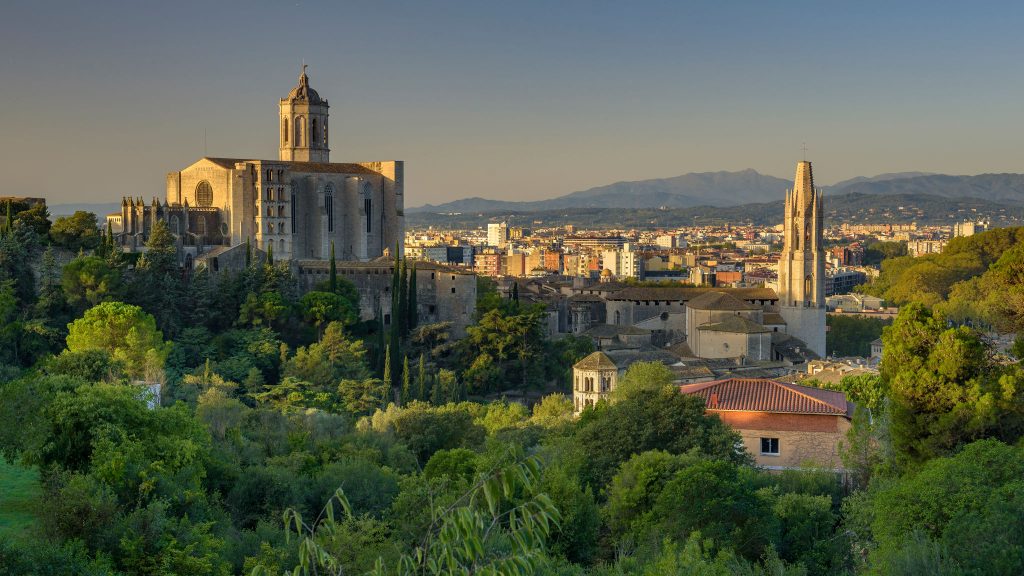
(802, 263)
(303, 124)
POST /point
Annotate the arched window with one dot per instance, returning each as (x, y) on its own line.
(204, 194)
(173, 224)
(270, 194)
(201, 226)
(280, 211)
(281, 245)
(270, 210)
(329, 206)
(314, 134)
(325, 132)
(298, 130)
(285, 131)
(270, 175)
(270, 227)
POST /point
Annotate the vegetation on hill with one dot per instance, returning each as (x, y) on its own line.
(292, 439)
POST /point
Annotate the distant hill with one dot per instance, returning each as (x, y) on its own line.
(99, 209)
(688, 190)
(853, 208)
(1004, 188)
(724, 189)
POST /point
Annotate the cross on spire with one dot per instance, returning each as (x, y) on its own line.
(804, 148)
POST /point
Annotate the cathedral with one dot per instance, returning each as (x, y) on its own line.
(295, 206)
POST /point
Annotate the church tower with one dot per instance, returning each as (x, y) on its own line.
(802, 263)
(303, 124)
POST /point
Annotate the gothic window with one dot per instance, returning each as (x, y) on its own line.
(201, 226)
(368, 208)
(293, 212)
(325, 132)
(314, 134)
(329, 207)
(270, 227)
(285, 131)
(270, 175)
(298, 131)
(280, 175)
(280, 211)
(281, 244)
(204, 194)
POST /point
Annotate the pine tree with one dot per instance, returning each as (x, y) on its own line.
(334, 272)
(413, 304)
(406, 382)
(270, 253)
(248, 252)
(387, 367)
(421, 379)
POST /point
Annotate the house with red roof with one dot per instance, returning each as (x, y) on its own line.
(783, 425)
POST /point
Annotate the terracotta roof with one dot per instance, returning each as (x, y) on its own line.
(308, 167)
(771, 318)
(763, 395)
(596, 361)
(735, 324)
(612, 330)
(687, 293)
(681, 349)
(719, 300)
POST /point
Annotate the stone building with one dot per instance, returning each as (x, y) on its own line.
(802, 262)
(594, 378)
(783, 425)
(443, 293)
(296, 205)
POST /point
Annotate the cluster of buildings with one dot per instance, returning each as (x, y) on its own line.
(299, 209)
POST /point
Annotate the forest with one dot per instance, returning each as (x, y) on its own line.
(291, 437)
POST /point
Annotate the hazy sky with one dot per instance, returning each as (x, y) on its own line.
(509, 99)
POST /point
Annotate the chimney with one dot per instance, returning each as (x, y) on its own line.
(713, 400)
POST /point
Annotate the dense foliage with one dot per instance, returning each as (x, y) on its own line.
(292, 436)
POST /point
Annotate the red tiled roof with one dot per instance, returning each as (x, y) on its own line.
(763, 395)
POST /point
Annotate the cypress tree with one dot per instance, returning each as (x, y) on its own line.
(414, 314)
(101, 249)
(515, 292)
(334, 272)
(248, 252)
(406, 382)
(110, 236)
(9, 221)
(378, 355)
(387, 367)
(421, 379)
(403, 300)
(270, 253)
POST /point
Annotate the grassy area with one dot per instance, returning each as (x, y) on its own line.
(19, 487)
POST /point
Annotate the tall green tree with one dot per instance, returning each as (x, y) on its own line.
(412, 304)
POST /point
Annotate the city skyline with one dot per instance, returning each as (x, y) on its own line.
(516, 102)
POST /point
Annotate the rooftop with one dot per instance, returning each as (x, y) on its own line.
(763, 395)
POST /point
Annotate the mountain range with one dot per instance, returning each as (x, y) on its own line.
(724, 189)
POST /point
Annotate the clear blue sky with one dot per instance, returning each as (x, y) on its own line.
(513, 99)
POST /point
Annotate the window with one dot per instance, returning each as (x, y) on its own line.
(453, 289)
(770, 446)
(270, 175)
(314, 134)
(204, 194)
(285, 131)
(293, 212)
(298, 131)
(329, 207)
(369, 215)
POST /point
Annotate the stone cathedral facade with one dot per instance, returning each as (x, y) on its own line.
(802, 262)
(296, 205)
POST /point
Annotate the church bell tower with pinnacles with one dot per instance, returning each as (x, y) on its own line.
(802, 262)
(304, 124)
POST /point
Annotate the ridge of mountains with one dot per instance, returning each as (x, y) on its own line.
(727, 189)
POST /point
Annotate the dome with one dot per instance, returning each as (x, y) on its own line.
(302, 92)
